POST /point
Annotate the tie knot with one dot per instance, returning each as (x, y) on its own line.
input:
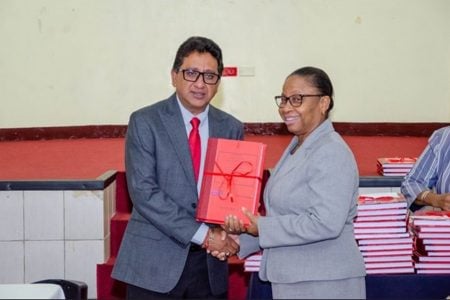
(195, 122)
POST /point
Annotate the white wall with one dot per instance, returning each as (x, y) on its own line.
(62, 62)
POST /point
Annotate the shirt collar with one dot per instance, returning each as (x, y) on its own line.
(187, 115)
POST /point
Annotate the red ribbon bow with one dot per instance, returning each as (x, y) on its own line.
(241, 170)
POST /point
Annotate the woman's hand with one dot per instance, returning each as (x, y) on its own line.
(234, 225)
(252, 228)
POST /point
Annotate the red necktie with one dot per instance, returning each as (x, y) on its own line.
(194, 144)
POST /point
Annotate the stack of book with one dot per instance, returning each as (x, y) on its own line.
(395, 166)
(252, 263)
(432, 243)
(381, 231)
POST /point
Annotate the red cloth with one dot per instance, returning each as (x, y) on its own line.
(195, 146)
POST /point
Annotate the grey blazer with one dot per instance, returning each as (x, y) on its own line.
(163, 190)
(310, 200)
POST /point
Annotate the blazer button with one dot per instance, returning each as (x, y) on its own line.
(194, 205)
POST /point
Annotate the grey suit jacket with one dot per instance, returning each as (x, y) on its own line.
(163, 190)
(310, 201)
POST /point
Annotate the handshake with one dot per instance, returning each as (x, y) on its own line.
(220, 244)
(223, 242)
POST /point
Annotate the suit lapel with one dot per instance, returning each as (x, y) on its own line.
(278, 170)
(302, 153)
(176, 131)
(215, 120)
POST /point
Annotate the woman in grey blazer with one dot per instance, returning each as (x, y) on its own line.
(307, 238)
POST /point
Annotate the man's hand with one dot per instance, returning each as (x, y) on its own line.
(442, 201)
(220, 244)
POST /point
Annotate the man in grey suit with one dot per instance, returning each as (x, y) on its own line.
(164, 250)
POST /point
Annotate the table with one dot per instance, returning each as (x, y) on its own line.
(379, 286)
(31, 291)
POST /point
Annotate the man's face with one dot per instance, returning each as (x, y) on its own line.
(195, 96)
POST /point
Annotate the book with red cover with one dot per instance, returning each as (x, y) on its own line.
(386, 247)
(395, 166)
(433, 265)
(388, 252)
(430, 250)
(392, 172)
(432, 214)
(406, 240)
(431, 218)
(430, 222)
(433, 271)
(438, 253)
(395, 170)
(380, 218)
(256, 256)
(252, 263)
(390, 270)
(433, 235)
(382, 212)
(381, 235)
(251, 268)
(380, 230)
(436, 241)
(377, 201)
(396, 162)
(232, 179)
(437, 247)
(390, 264)
(387, 258)
(424, 258)
(373, 224)
(435, 229)
(423, 249)
(397, 174)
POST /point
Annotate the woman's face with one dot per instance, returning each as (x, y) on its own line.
(303, 119)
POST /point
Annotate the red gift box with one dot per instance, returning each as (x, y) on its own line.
(232, 179)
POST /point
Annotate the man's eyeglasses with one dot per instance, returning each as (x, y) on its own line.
(192, 76)
(295, 100)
